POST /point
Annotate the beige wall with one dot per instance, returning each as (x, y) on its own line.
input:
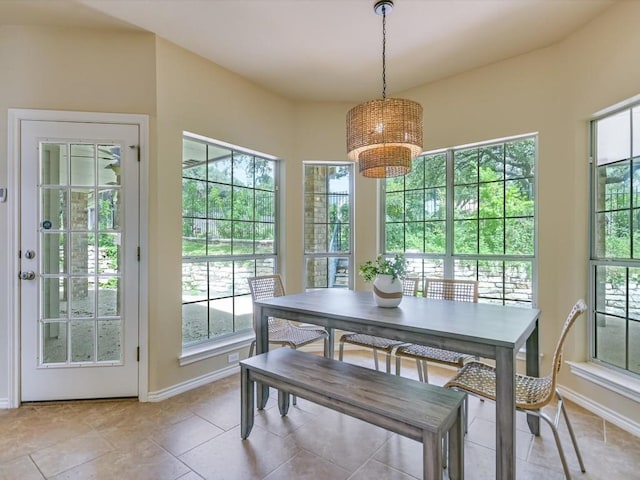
(198, 96)
(66, 69)
(552, 91)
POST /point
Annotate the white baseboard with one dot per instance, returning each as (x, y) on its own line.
(166, 393)
(602, 411)
(4, 403)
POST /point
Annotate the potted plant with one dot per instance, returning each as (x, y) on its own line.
(386, 275)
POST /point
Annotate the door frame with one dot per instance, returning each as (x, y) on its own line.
(15, 117)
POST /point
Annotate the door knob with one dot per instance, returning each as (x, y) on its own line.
(27, 275)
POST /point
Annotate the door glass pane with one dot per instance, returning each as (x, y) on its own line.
(83, 208)
(82, 297)
(82, 340)
(54, 297)
(109, 214)
(109, 165)
(109, 296)
(109, 253)
(54, 342)
(54, 209)
(81, 233)
(83, 253)
(54, 253)
(109, 340)
(53, 164)
(83, 165)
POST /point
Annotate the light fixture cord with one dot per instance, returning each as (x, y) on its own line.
(384, 51)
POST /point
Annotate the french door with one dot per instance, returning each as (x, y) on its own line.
(79, 270)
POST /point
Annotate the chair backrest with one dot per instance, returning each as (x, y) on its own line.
(578, 309)
(451, 289)
(263, 288)
(410, 286)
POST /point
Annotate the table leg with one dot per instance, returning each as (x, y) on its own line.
(456, 447)
(533, 370)
(262, 346)
(330, 343)
(246, 402)
(505, 414)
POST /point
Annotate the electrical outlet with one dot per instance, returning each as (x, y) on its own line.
(233, 357)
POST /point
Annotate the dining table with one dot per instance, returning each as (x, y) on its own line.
(485, 330)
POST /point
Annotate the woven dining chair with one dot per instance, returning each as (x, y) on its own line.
(386, 345)
(532, 393)
(282, 332)
(443, 289)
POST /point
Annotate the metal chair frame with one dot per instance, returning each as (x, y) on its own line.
(386, 345)
(443, 289)
(532, 393)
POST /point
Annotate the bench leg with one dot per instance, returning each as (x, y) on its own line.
(432, 456)
(456, 447)
(246, 402)
(283, 402)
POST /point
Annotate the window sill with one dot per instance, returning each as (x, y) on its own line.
(617, 382)
(214, 349)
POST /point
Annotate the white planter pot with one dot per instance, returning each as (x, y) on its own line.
(387, 292)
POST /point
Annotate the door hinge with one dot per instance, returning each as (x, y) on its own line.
(138, 354)
(138, 254)
(137, 147)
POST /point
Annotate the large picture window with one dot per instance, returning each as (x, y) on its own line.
(615, 246)
(469, 212)
(228, 234)
(328, 225)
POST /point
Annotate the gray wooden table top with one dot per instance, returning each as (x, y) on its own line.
(496, 325)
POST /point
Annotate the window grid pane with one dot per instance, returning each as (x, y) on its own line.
(228, 235)
(327, 225)
(615, 241)
(491, 195)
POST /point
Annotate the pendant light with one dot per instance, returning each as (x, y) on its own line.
(384, 135)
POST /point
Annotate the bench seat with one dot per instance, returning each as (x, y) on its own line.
(417, 410)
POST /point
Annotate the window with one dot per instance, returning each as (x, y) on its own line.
(328, 225)
(229, 225)
(469, 212)
(615, 239)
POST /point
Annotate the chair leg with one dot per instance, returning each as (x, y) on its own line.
(341, 351)
(251, 348)
(570, 428)
(388, 362)
(425, 371)
(375, 358)
(419, 368)
(556, 437)
(398, 365)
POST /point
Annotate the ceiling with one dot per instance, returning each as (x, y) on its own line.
(330, 50)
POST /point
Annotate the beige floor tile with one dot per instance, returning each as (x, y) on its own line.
(144, 461)
(483, 432)
(21, 468)
(374, 469)
(71, 453)
(228, 457)
(340, 439)
(307, 466)
(181, 437)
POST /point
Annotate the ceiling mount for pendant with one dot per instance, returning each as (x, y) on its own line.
(383, 7)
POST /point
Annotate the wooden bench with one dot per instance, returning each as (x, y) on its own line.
(414, 409)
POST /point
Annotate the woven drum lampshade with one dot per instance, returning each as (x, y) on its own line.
(384, 135)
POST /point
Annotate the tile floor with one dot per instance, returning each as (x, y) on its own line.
(196, 435)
